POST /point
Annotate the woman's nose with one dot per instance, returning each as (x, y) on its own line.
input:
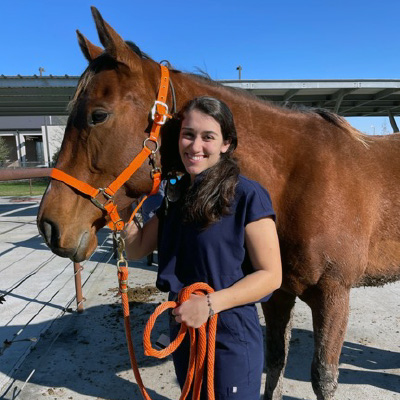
(196, 145)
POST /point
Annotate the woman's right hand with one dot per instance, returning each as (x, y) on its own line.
(130, 232)
(140, 242)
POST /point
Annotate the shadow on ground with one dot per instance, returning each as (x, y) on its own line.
(369, 358)
(87, 354)
(37, 243)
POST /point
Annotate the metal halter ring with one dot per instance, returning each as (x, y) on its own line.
(156, 143)
(122, 263)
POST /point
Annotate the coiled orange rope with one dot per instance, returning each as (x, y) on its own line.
(197, 353)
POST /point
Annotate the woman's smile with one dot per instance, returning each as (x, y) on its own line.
(195, 158)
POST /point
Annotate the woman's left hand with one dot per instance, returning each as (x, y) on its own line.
(193, 312)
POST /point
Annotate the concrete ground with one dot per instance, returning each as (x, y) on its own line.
(84, 356)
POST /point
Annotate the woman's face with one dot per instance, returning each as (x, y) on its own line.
(200, 142)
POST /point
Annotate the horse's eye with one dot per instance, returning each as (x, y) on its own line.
(98, 117)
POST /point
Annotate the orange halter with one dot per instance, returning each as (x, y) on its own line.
(159, 114)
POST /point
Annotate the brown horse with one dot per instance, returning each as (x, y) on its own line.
(336, 191)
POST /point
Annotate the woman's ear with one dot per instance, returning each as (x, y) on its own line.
(226, 145)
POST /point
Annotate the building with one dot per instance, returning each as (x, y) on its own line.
(32, 141)
(33, 115)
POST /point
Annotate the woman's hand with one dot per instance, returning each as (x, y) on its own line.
(131, 236)
(140, 242)
(193, 312)
(130, 231)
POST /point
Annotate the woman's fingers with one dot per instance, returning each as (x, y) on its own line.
(193, 312)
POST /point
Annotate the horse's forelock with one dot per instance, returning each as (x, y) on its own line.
(83, 83)
(104, 61)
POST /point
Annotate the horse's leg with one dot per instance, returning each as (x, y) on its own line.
(278, 314)
(330, 310)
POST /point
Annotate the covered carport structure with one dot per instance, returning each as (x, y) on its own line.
(49, 95)
(346, 97)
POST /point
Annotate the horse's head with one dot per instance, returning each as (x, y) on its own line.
(108, 123)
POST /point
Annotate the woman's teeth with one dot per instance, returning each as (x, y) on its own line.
(195, 158)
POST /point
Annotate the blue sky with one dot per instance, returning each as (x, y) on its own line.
(280, 39)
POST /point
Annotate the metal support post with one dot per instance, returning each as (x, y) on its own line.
(78, 287)
(393, 122)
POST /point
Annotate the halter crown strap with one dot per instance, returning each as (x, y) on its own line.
(159, 114)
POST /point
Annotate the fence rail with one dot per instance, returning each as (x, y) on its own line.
(9, 174)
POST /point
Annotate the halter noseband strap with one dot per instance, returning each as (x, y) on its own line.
(159, 115)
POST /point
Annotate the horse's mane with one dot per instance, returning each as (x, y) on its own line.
(135, 48)
(327, 115)
(104, 61)
(336, 120)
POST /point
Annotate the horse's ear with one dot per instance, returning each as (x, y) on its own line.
(112, 42)
(89, 50)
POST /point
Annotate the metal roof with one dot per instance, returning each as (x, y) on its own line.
(35, 95)
(49, 95)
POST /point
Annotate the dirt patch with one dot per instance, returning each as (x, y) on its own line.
(141, 294)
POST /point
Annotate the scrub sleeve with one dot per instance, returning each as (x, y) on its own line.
(217, 256)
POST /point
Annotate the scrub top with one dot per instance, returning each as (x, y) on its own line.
(216, 255)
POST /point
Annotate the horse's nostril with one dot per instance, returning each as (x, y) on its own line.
(51, 233)
(47, 231)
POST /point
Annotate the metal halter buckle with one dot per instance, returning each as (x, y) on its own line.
(106, 195)
(154, 111)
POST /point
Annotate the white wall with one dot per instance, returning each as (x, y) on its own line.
(55, 135)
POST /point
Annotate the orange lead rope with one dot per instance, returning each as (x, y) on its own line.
(197, 353)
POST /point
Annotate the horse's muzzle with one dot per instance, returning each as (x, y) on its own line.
(52, 236)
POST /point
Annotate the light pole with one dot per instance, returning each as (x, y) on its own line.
(239, 68)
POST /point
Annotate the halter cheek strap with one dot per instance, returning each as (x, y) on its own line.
(159, 114)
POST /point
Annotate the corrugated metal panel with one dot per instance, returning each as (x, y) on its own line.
(50, 95)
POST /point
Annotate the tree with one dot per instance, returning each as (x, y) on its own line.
(55, 157)
(384, 128)
(4, 151)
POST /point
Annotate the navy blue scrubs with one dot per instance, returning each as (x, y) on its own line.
(218, 256)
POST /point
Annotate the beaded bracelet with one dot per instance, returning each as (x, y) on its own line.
(210, 310)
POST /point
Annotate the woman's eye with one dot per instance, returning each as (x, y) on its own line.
(98, 117)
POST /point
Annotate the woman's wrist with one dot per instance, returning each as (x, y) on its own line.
(211, 311)
(216, 300)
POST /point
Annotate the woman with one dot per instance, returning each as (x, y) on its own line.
(218, 227)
